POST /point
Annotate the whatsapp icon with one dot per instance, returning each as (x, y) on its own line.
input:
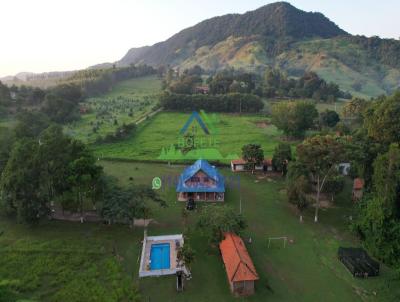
(156, 183)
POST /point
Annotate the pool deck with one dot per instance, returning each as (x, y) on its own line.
(148, 241)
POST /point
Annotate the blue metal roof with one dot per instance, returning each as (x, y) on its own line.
(212, 172)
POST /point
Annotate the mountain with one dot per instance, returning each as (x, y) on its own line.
(281, 36)
(44, 80)
(278, 20)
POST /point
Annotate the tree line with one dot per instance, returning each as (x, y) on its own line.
(40, 166)
(232, 102)
(273, 84)
(61, 102)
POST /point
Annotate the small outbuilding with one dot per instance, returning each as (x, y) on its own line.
(202, 89)
(239, 267)
(358, 262)
(240, 165)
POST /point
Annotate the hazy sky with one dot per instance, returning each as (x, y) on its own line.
(54, 35)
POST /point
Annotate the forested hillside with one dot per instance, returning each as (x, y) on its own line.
(279, 35)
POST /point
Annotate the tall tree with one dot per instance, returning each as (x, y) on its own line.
(30, 124)
(294, 118)
(297, 192)
(7, 139)
(382, 119)
(329, 118)
(282, 156)
(20, 182)
(378, 221)
(215, 220)
(84, 177)
(253, 154)
(320, 155)
(126, 204)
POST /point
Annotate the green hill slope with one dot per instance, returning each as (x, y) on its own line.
(280, 35)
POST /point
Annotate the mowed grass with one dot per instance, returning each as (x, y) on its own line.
(306, 270)
(127, 102)
(163, 130)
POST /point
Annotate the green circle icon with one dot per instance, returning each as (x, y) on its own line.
(156, 183)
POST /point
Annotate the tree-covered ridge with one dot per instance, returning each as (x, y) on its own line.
(385, 51)
(277, 20)
(96, 82)
(280, 36)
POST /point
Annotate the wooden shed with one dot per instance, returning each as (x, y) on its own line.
(238, 264)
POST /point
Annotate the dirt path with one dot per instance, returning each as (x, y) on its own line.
(148, 115)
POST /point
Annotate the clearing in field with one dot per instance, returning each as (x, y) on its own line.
(162, 131)
(128, 102)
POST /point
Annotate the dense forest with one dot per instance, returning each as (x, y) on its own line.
(274, 84)
(371, 145)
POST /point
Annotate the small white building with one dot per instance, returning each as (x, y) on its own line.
(239, 165)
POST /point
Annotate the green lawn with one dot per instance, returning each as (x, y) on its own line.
(7, 123)
(163, 130)
(127, 102)
(306, 270)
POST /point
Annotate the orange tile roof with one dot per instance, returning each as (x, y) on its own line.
(358, 184)
(238, 264)
(241, 161)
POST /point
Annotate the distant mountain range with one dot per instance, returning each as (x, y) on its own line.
(281, 36)
(44, 80)
(277, 35)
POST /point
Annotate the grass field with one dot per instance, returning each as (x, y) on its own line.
(306, 270)
(163, 130)
(126, 103)
(7, 123)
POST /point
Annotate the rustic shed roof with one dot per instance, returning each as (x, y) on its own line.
(238, 264)
(241, 161)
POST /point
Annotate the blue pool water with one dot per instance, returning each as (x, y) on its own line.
(159, 256)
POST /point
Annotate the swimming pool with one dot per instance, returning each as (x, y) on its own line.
(159, 256)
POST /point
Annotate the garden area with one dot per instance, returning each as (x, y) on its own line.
(127, 103)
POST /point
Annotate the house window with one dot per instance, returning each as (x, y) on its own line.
(194, 179)
(206, 179)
